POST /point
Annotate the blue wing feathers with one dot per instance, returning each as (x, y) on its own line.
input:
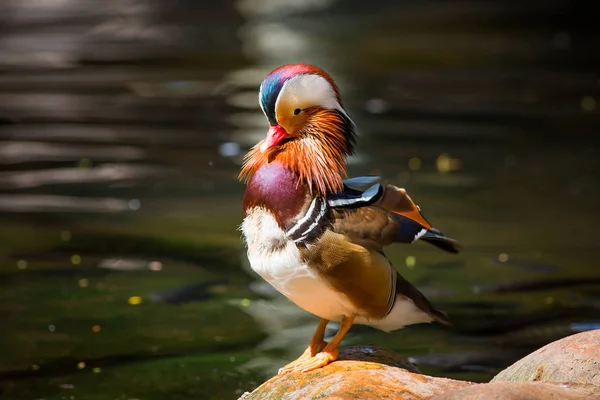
(362, 183)
(411, 231)
(352, 198)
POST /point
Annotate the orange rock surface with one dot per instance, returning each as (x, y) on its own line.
(568, 369)
(574, 359)
(523, 391)
(362, 372)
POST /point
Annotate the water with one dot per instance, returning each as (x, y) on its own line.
(122, 129)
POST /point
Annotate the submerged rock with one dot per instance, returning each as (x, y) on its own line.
(362, 372)
(574, 359)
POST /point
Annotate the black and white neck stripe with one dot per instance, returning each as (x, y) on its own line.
(310, 226)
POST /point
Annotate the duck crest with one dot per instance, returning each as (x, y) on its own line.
(273, 83)
(276, 189)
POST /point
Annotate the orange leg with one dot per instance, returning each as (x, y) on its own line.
(317, 343)
(327, 355)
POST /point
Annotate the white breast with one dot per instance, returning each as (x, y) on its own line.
(277, 260)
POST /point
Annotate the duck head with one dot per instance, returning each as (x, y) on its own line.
(309, 133)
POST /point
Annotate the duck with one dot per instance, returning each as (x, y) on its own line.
(317, 236)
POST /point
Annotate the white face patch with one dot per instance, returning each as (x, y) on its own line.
(307, 90)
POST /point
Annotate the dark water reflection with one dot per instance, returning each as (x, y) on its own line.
(122, 131)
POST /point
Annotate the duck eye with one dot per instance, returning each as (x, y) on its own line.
(297, 111)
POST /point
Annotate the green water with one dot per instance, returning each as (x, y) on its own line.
(122, 272)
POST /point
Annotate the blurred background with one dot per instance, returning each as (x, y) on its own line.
(122, 127)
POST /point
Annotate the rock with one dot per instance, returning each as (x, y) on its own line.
(574, 359)
(361, 372)
(523, 391)
(567, 369)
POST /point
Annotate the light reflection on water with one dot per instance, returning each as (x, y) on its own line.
(123, 128)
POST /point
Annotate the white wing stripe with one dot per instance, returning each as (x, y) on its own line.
(301, 221)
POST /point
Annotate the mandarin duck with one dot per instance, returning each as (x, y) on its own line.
(317, 238)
